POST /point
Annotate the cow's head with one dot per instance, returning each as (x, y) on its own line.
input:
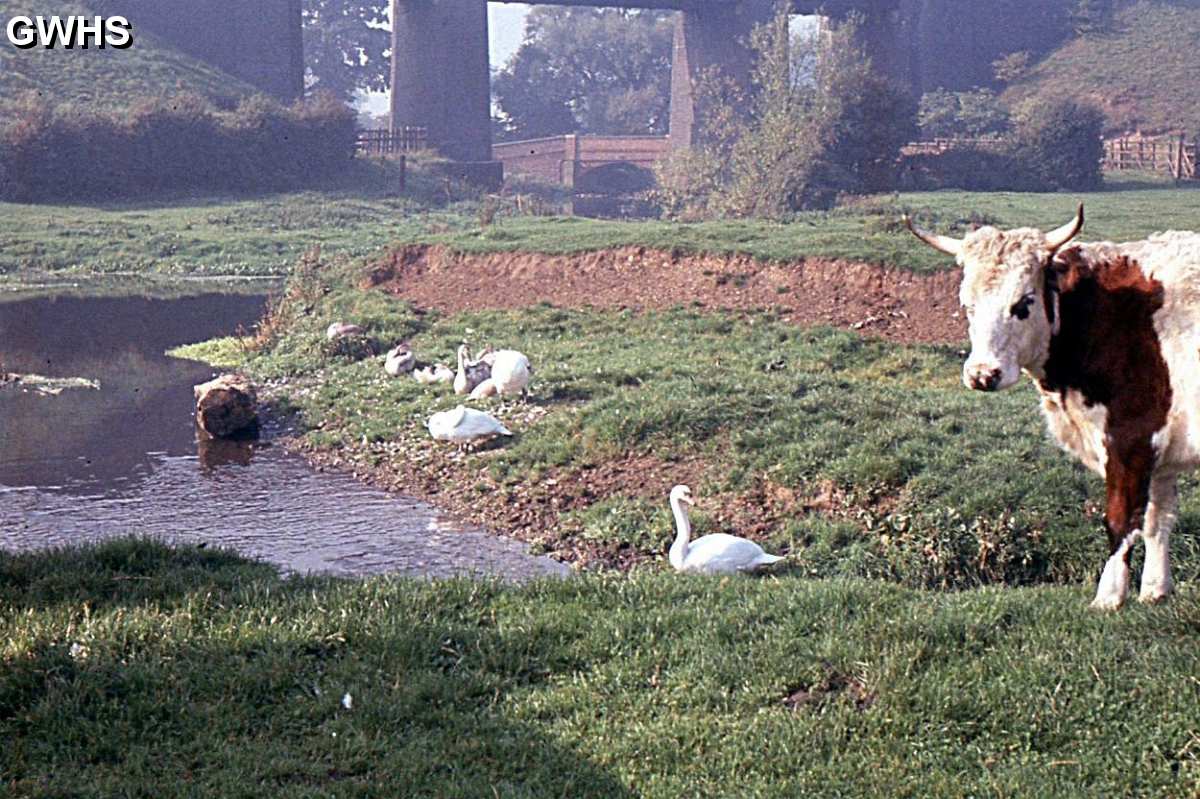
(1005, 293)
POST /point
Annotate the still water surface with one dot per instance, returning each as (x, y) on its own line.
(90, 464)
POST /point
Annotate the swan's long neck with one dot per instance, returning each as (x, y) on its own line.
(683, 533)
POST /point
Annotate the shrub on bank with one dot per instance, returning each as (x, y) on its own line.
(1052, 147)
(171, 144)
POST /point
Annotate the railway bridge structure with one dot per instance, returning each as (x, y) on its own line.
(441, 80)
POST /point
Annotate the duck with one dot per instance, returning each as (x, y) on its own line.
(465, 425)
(510, 372)
(436, 373)
(470, 373)
(400, 360)
(712, 554)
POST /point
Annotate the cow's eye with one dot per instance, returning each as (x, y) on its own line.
(1020, 308)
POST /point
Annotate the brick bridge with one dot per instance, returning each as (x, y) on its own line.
(587, 163)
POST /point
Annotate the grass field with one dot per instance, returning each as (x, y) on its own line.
(104, 79)
(925, 483)
(930, 628)
(263, 236)
(1140, 72)
(132, 669)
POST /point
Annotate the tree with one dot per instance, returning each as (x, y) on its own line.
(971, 114)
(799, 137)
(346, 46)
(1091, 17)
(594, 70)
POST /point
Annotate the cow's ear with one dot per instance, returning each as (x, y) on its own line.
(1064, 269)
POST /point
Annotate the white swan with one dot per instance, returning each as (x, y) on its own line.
(485, 389)
(465, 425)
(510, 372)
(399, 360)
(437, 373)
(470, 373)
(340, 329)
(713, 554)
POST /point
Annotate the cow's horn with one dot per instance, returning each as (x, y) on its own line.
(1057, 238)
(945, 244)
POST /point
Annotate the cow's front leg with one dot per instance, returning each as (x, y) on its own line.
(1127, 485)
(1156, 532)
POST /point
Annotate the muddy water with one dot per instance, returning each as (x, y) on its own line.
(90, 464)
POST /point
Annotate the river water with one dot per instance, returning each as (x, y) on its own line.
(123, 459)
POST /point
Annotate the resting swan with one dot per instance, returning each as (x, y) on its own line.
(510, 372)
(470, 373)
(465, 425)
(713, 554)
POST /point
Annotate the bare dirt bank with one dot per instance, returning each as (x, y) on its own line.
(889, 303)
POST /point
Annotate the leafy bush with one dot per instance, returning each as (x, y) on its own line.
(797, 138)
(1053, 146)
(1061, 145)
(171, 144)
(974, 113)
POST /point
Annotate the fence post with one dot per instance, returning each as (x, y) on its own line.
(403, 172)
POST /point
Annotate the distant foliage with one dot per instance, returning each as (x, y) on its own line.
(591, 70)
(1052, 147)
(173, 144)
(799, 138)
(1090, 17)
(345, 46)
(1061, 144)
(972, 114)
(1012, 67)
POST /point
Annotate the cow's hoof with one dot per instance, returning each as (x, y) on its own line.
(1107, 603)
(1153, 596)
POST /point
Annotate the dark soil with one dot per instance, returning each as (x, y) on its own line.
(889, 303)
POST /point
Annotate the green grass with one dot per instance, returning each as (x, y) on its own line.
(1141, 74)
(134, 669)
(942, 487)
(104, 79)
(265, 235)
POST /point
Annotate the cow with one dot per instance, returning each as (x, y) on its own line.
(1110, 335)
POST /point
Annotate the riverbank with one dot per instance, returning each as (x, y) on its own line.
(852, 455)
(248, 236)
(131, 668)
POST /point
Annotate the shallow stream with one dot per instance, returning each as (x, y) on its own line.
(88, 463)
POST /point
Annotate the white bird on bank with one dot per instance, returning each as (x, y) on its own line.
(510, 372)
(399, 360)
(470, 373)
(465, 425)
(713, 554)
(438, 373)
(340, 329)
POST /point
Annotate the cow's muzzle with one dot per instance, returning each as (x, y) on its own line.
(982, 378)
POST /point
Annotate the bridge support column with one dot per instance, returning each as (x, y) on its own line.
(440, 78)
(715, 36)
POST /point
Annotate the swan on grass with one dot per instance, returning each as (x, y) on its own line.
(712, 554)
(399, 360)
(437, 373)
(470, 373)
(510, 372)
(465, 425)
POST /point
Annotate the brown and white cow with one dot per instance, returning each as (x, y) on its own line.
(1110, 334)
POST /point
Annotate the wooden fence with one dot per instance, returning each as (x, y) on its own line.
(1175, 155)
(940, 146)
(390, 142)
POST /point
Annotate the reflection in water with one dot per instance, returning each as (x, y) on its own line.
(217, 452)
(126, 459)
